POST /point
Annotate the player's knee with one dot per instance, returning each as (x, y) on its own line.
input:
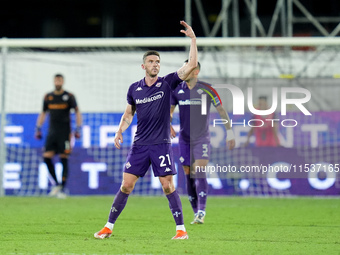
(167, 191)
(48, 154)
(168, 188)
(127, 187)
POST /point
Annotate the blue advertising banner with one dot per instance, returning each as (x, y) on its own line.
(306, 164)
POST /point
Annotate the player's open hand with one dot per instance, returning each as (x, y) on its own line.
(188, 30)
(118, 139)
(231, 144)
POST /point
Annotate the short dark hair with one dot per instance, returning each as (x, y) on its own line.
(58, 75)
(198, 64)
(263, 98)
(150, 53)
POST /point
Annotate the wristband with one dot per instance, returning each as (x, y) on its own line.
(78, 129)
(38, 128)
(230, 134)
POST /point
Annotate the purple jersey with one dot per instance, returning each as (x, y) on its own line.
(194, 127)
(153, 109)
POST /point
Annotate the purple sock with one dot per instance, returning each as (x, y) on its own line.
(118, 205)
(202, 192)
(175, 205)
(191, 189)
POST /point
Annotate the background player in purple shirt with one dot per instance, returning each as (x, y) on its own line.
(194, 136)
(58, 104)
(149, 98)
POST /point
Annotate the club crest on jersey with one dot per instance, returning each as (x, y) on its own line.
(199, 91)
(139, 89)
(181, 91)
(127, 165)
(65, 97)
(158, 84)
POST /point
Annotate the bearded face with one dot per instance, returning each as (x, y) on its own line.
(58, 83)
(152, 65)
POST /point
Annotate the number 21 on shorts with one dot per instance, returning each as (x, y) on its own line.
(164, 159)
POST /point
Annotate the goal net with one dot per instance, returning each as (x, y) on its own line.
(99, 72)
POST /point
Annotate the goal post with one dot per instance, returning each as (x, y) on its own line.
(169, 42)
(99, 71)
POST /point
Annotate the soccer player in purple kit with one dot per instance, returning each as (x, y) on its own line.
(194, 136)
(149, 98)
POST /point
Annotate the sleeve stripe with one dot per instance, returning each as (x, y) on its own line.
(214, 92)
(210, 95)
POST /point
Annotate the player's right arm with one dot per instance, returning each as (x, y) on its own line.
(125, 122)
(41, 119)
(185, 70)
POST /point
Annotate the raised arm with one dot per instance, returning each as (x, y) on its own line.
(230, 133)
(185, 70)
(125, 122)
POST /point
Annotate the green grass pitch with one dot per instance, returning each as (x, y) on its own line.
(233, 225)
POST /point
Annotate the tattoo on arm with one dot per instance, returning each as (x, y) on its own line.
(181, 74)
(127, 121)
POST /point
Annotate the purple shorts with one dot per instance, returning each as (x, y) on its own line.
(191, 152)
(159, 156)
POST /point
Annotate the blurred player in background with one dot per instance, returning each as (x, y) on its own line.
(149, 98)
(194, 136)
(265, 135)
(58, 104)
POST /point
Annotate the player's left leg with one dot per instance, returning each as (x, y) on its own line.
(64, 162)
(201, 153)
(191, 189)
(163, 166)
(185, 152)
(175, 205)
(201, 192)
(64, 150)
